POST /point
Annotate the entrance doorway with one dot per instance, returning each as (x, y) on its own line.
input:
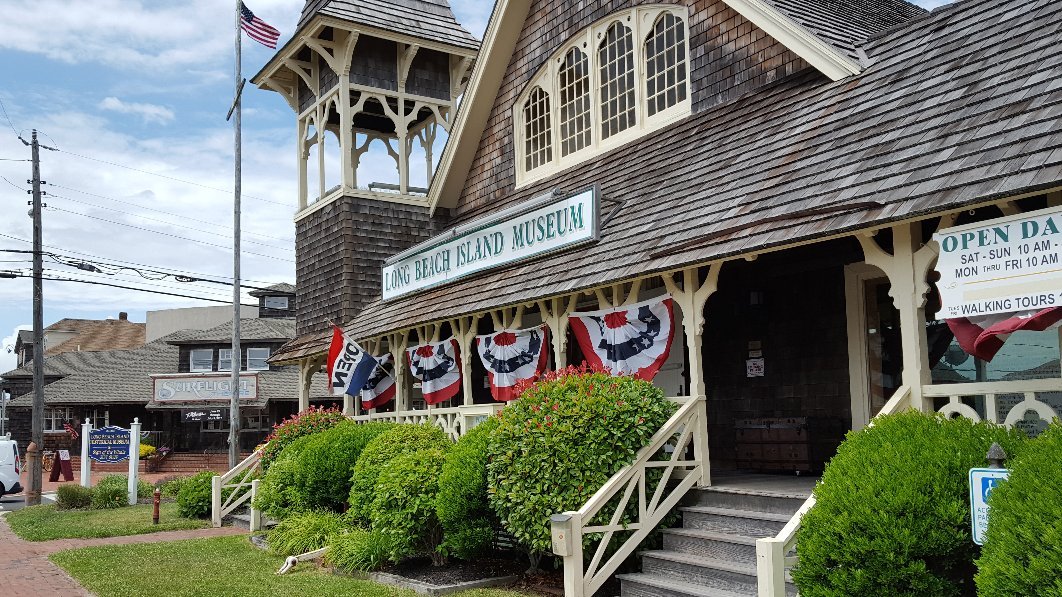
(874, 349)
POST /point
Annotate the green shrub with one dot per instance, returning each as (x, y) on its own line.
(465, 515)
(359, 551)
(892, 515)
(111, 492)
(377, 456)
(1022, 553)
(308, 422)
(71, 497)
(193, 498)
(278, 493)
(403, 508)
(565, 436)
(171, 486)
(305, 531)
(326, 462)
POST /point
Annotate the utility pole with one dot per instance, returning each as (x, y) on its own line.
(237, 357)
(33, 494)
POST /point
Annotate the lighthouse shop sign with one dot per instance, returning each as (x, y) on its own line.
(531, 229)
(1001, 266)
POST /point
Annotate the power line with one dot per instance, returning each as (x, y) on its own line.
(119, 278)
(168, 213)
(119, 261)
(95, 283)
(14, 160)
(8, 119)
(159, 232)
(173, 178)
(167, 222)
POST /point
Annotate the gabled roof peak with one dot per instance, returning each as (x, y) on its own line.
(427, 19)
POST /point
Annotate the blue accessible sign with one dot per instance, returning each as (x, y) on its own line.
(982, 482)
(109, 444)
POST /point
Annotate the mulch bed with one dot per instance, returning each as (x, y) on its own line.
(456, 571)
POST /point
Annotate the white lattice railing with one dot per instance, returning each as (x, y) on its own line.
(686, 429)
(244, 489)
(1002, 402)
(775, 555)
(455, 421)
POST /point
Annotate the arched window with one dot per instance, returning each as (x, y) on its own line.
(538, 142)
(574, 83)
(665, 64)
(615, 59)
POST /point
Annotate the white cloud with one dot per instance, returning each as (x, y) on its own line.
(8, 360)
(147, 112)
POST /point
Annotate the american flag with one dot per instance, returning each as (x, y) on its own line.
(259, 30)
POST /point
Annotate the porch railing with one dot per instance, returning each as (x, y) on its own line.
(1001, 402)
(687, 428)
(244, 487)
(775, 555)
(455, 420)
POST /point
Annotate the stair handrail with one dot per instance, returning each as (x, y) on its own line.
(775, 555)
(245, 470)
(690, 425)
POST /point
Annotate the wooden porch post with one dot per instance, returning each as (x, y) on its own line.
(555, 315)
(397, 342)
(305, 375)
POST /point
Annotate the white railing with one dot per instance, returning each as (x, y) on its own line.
(244, 489)
(455, 420)
(687, 428)
(1002, 402)
(775, 555)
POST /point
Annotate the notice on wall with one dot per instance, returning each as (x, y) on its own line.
(1001, 266)
(532, 229)
(754, 367)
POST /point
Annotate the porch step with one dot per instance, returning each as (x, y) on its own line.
(243, 521)
(731, 520)
(710, 544)
(711, 573)
(757, 501)
(651, 585)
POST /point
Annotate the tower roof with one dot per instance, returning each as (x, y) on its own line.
(427, 19)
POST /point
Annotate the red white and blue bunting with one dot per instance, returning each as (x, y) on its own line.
(630, 340)
(380, 389)
(511, 356)
(438, 367)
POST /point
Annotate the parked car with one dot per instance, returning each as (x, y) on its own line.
(10, 466)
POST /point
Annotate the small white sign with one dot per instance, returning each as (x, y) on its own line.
(983, 482)
(64, 454)
(531, 229)
(1001, 266)
(754, 367)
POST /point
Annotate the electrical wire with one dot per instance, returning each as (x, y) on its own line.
(159, 232)
(119, 278)
(95, 283)
(8, 119)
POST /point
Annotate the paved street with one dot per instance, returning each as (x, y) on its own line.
(10, 503)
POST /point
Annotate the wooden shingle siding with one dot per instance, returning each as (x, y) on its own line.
(341, 249)
(429, 74)
(375, 63)
(729, 57)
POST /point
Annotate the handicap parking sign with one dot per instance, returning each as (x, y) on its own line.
(983, 481)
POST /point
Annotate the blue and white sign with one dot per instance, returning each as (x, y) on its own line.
(109, 444)
(983, 481)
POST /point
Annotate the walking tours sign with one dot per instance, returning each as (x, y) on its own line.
(1006, 265)
(531, 229)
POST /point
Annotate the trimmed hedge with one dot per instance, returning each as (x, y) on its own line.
(466, 517)
(561, 441)
(403, 507)
(307, 422)
(72, 497)
(278, 493)
(1023, 548)
(325, 463)
(892, 515)
(377, 457)
(305, 531)
(193, 498)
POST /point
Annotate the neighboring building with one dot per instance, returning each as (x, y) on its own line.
(89, 335)
(164, 322)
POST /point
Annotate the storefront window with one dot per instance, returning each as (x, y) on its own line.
(256, 359)
(55, 418)
(99, 418)
(202, 360)
(225, 359)
(1025, 355)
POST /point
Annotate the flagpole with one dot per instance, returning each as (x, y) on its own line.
(237, 356)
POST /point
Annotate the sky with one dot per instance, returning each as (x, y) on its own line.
(133, 95)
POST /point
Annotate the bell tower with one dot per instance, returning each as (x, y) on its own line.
(374, 86)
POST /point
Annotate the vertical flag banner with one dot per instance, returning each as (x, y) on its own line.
(511, 356)
(380, 389)
(349, 367)
(257, 29)
(438, 367)
(632, 340)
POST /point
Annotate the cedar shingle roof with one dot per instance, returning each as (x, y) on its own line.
(960, 107)
(272, 328)
(845, 24)
(427, 19)
(95, 335)
(281, 288)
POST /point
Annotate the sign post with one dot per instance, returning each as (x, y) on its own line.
(86, 462)
(134, 459)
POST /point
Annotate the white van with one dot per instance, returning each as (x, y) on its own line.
(10, 466)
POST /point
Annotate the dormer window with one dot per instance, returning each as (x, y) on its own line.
(619, 79)
(276, 302)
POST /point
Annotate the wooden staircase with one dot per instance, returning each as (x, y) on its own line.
(713, 553)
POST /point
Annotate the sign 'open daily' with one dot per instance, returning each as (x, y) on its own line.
(1001, 266)
(541, 226)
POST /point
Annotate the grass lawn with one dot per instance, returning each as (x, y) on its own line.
(43, 523)
(228, 566)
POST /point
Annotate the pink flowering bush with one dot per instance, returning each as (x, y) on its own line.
(567, 434)
(309, 421)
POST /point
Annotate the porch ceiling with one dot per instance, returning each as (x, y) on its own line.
(959, 108)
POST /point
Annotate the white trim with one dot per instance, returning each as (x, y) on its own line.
(856, 276)
(824, 57)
